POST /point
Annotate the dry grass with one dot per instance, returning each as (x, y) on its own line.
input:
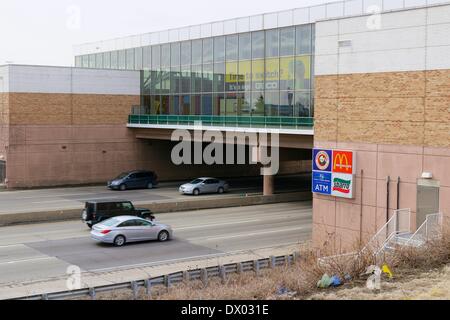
(301, 278)
(435, 254)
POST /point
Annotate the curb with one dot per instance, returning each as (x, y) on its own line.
(159, 207)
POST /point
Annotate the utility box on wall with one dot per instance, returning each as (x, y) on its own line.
(427, 199)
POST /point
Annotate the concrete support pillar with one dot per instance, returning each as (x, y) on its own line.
(269, 185)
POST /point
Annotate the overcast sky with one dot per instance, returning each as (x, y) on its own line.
(43, 32)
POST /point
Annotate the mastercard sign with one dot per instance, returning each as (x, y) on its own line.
(334, 173)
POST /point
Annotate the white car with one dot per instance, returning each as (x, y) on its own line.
(126, 229)
(205, 185)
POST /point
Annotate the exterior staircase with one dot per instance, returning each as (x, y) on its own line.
(395, 234)
(401, 235)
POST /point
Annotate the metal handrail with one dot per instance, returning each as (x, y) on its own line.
(385, 230)
(425, 225)
(236, 121)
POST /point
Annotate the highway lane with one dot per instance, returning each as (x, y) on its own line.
(31, 253)
(72, 198)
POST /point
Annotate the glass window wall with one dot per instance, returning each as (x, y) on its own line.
(231, 48)
(99, 61)
(147, 58)
(272, 43)
(122, 59)
(130, 59)
(262, 73)
(185, 53)
(219, 49)
(107, 60)
(287, 41)
(114, 60)
(138, 63)
(258, 47)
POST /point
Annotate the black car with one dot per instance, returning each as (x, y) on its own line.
(134, 180)
(97, 211)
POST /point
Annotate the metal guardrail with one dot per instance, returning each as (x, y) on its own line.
(203, 275)
(224, 121)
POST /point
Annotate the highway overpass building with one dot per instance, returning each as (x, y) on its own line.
(372, 77)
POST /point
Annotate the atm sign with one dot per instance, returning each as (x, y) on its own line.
(343, 162)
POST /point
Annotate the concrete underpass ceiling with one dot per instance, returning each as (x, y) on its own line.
(286, 140)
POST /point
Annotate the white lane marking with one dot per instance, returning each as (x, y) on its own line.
(37, 196)
(52, 201)
(213, 255)
(98, 198)
(216, 224)
(12, 246)
(241, 235)
(27, 260)
(201, 226)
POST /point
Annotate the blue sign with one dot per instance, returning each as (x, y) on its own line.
(321, 183)
(322, 160)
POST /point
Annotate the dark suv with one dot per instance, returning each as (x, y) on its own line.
(97, 211)
(134, 180)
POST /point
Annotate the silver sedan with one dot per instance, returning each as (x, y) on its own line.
(205, 185)
(126, 229)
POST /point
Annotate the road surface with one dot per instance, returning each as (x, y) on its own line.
(72, 198)
(31, 253)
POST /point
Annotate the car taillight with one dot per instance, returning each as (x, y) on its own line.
(105, 231)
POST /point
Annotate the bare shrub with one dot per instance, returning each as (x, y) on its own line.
(434, 254)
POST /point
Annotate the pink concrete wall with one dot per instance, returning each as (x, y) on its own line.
(69, 155)
(337, 222)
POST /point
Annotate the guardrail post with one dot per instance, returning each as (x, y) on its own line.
(296, 256)
(240, 268)
(286, 260)
(223, 274)
(186, 276)
(135, 288)
(44, 297)
(92, 293)
(272, 262)
(256, 266)
(167, 281)
(148, 288)
(204, 277)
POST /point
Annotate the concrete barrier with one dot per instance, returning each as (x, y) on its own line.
(160, 207)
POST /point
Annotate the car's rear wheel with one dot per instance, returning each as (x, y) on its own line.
(90, 225)
(221, 190)
(123, 187)
(119, 241)
(163, 236)
(196, 192)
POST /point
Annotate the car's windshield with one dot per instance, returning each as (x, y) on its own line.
(122, 175)
(111, 222)
(197, 181)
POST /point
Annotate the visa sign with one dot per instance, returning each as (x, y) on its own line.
(334, 173)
